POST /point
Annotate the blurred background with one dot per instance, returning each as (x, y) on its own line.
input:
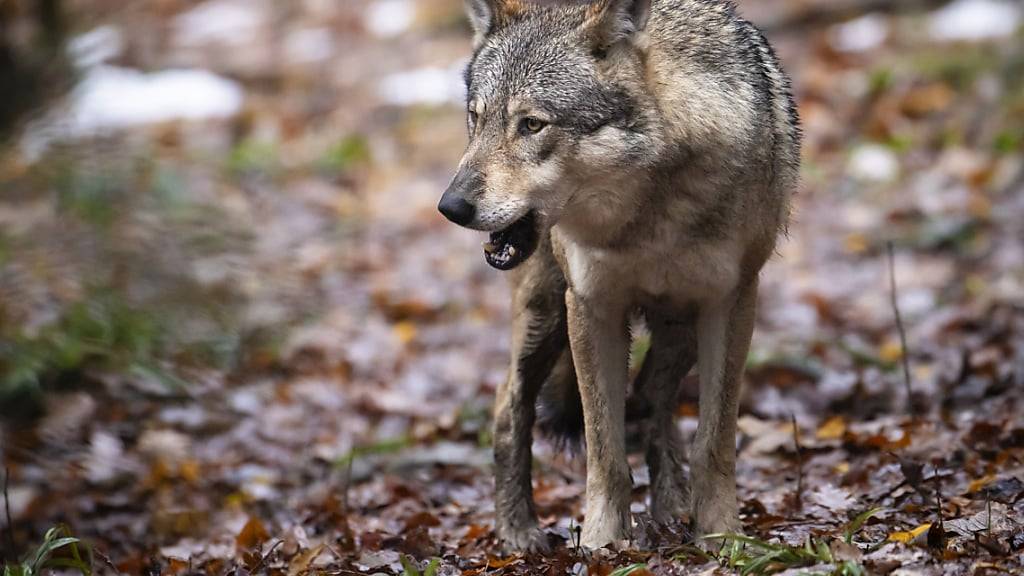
(230, 314)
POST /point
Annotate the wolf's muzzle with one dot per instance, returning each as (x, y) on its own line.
(455, 204)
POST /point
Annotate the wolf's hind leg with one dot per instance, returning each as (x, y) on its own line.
(539, 339)
(672, 354)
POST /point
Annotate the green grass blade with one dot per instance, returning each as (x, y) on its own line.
(857, 523)
(627, 570)
(408, 568)
(739, 538)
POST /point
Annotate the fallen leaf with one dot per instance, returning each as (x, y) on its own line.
(890, 352)
(253, 534)
(980, 483)
(833, 429)
(405, 331)
(302, 562)
(832, 498)
(496, 563)
(1005, 490)
(908, 537)
(422, 518)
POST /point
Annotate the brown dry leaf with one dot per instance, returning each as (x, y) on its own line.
(497, 563)
(420, 519)
(405, 331)
(833, 429)
(890, 351)
(475, 532)
(980, 483)
(925, 100)
(253, 535)
(302, 562)
(883, 442)
(844, 552)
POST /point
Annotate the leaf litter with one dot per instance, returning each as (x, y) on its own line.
(332, 416)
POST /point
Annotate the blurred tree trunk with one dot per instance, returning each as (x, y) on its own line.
(29, 72)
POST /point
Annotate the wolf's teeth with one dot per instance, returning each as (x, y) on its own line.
(490, 248)
(511, 251)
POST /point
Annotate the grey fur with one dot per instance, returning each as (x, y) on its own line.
(661, 173)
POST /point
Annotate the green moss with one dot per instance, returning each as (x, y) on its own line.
(350, 152)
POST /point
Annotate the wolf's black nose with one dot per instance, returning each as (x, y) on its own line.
(456, 209)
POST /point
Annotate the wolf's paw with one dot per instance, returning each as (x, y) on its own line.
(603, 529)
(531, 540)
(725, 524)
(670, 499)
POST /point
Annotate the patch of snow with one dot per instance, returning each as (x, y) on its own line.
(96, 46)
(388, 18)
(111, 98)
(975, 20)
(429, 85)
(861, 34)
(874, 163)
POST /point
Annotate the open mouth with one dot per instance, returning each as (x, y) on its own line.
(510, 247)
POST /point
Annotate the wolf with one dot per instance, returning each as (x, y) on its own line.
(626, 157)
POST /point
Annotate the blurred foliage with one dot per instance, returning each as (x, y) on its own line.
(58, 552)
(126, 251)
(102, 332)
(252, 156)
(351, 151)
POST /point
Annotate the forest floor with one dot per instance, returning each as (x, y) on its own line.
(249, 344)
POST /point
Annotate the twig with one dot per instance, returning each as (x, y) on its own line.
(7, 510)
(937, 533)
(575, 534)
(110, 564)
(799, 464)
(348, 485)
(904, 352)
(264, 557)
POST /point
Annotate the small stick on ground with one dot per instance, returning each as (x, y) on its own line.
(799, 499)
(348, 485)
(904, 352)
(10, 524)
(937, 533)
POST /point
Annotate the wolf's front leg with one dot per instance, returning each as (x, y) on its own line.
(724, 330)
(599, 340)
(539, 338)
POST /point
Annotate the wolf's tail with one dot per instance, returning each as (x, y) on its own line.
(560, 408)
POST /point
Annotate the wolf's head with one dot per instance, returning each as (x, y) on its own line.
(555, 113)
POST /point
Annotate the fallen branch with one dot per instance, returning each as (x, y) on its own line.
(904, 352)
(799, 499)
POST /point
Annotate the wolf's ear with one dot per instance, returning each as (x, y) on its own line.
(614, 21)
(482, 16)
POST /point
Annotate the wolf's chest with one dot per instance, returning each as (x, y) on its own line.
(673, 273)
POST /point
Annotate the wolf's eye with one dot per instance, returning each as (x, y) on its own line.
(531, 126)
